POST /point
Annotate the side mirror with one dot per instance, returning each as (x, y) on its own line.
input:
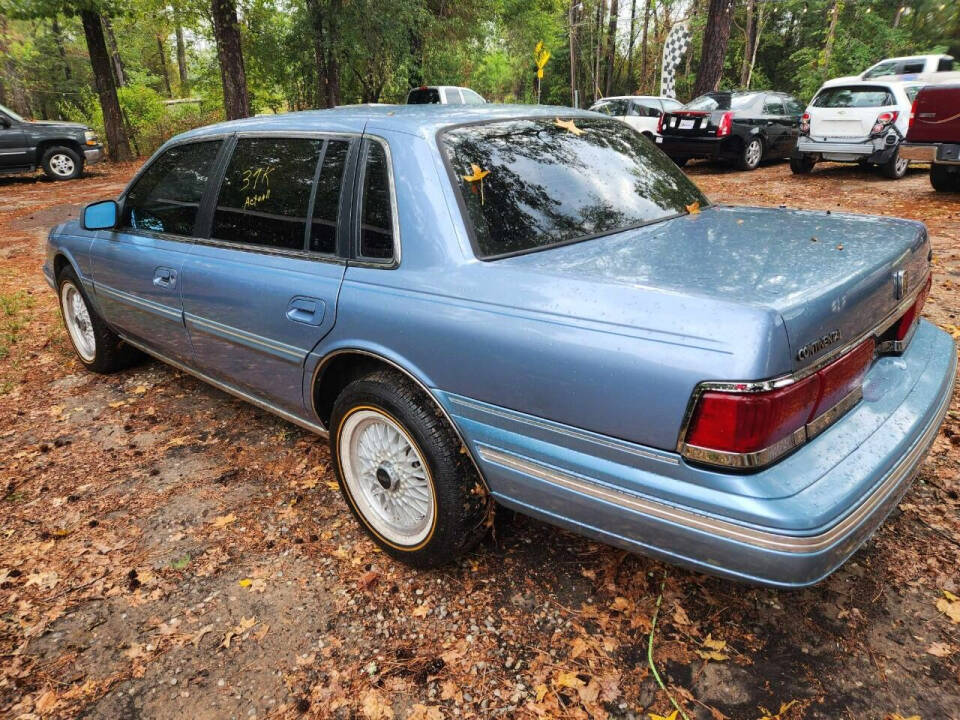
(101, 215)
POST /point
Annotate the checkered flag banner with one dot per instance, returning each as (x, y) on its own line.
(673, 51)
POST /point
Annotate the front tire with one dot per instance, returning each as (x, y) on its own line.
(62, 163)
(896, 167)
(943, 180)
(750, 154)
(402, 472)
(98, 347)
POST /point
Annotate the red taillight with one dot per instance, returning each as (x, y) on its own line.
(750, 429)
(726, 124)
(913, 313)
(660, 123)
(744, 423)
(913, 114)
(805, 123)
(884, 119)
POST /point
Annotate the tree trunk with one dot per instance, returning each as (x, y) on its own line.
(61, 51)
(233, 75)
(749, 39)
(716, 34)
(601, 7)
(757, 29)
(572, 18)
(182, 61)
(643, 45)
(832, 33)
(119, 74)
(631, 86)
(117, 144)
(611, 45)
(162, 50)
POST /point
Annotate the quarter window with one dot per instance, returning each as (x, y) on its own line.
(452, 96)
(326, 206)
(266, 192)
(167, 196)
(376, 211)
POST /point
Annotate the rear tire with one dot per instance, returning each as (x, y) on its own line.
(802, 165)
(943, 180)
(680, 162)
(896, 167)
(62, 163)
(750, 154)
(98, 347)
(403, 473)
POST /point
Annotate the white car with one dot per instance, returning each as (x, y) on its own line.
(851, 120)
(443, 95)
(913, 65)
(638, 111)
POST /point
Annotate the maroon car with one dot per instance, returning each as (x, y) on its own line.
(934, 134)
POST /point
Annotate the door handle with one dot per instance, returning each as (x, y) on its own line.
(165, 277)
(306, 310)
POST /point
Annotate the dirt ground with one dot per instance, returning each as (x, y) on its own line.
(167, 551)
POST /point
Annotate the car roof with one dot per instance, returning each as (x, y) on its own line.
(421, 120)
(888, 80)
(633, 97)
(911, 57)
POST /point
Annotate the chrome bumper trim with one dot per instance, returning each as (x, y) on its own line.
(93, 156)
(762, 539)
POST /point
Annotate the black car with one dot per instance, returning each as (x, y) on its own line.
(744, 127)
(62, 149)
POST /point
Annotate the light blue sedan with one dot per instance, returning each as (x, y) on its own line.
(534, 307)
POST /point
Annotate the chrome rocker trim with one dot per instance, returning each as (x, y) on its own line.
(896, 480)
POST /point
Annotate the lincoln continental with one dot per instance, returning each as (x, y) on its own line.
(530, 307)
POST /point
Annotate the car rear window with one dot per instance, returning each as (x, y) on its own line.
(423, 96)
(722, 101)
(854, 96)
(528, 184)
(616, 108)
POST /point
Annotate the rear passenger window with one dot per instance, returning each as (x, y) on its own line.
(166, 197)
(266, 192)
(326, 206)
(376, 210)
(945, 65)
(773, 106)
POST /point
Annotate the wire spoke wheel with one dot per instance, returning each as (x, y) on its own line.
(387, 477)
(76, 316)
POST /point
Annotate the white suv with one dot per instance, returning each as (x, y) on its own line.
(856, 121)
(641, 112)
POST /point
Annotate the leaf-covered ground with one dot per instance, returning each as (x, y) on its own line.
(169, 552)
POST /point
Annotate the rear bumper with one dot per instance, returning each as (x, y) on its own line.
(860, 468)
(940, 153)
(684, 147)
(874, 149)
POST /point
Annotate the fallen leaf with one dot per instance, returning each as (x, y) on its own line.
(567, 680)
(680, 616)
(368, 579)
(198, 636)
(671, 716)
(620, 604)
(245, 624)
(222, 521)
(940, 649)
(139, 390)
(949, 605)
(46, 702)
(714, 644)
(375, 707)
(693, 208)
(783, 708)
(541, 692)
(579, 647)
(43, 580)
(423, 712)
(421, 610)
(246, 582)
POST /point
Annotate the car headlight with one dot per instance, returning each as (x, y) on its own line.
(90, 137)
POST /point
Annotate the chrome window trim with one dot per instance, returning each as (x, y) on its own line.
(267, 250)
(356, 259)
(749, 460)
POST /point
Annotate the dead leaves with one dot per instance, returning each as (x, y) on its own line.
(949, 605)
(43, 580)
(253, 584)
(238, 631)
(376, 707)
(940, 649)
(222, 521)
(768, 714)
(713, 648)
(671, 716)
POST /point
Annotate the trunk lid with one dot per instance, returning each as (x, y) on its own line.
(692, 123)
(936, 115)
(842, 122)
(828, 275)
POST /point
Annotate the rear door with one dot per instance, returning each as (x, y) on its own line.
(846, 113)
(260, 288)
(776, 125)
(137, 268)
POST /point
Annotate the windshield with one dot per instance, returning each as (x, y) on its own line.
(885, 68)
(722, 101)
(610, 107)
(11, 113)
(531, 183)
(423, 96)
(854, 96)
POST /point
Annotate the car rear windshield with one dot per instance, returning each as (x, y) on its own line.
(722, 101)
(533, 183)
(854, 96)
(423, 96)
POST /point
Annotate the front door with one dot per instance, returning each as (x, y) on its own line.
(137, 269)
(13, 143)
(260, 291)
